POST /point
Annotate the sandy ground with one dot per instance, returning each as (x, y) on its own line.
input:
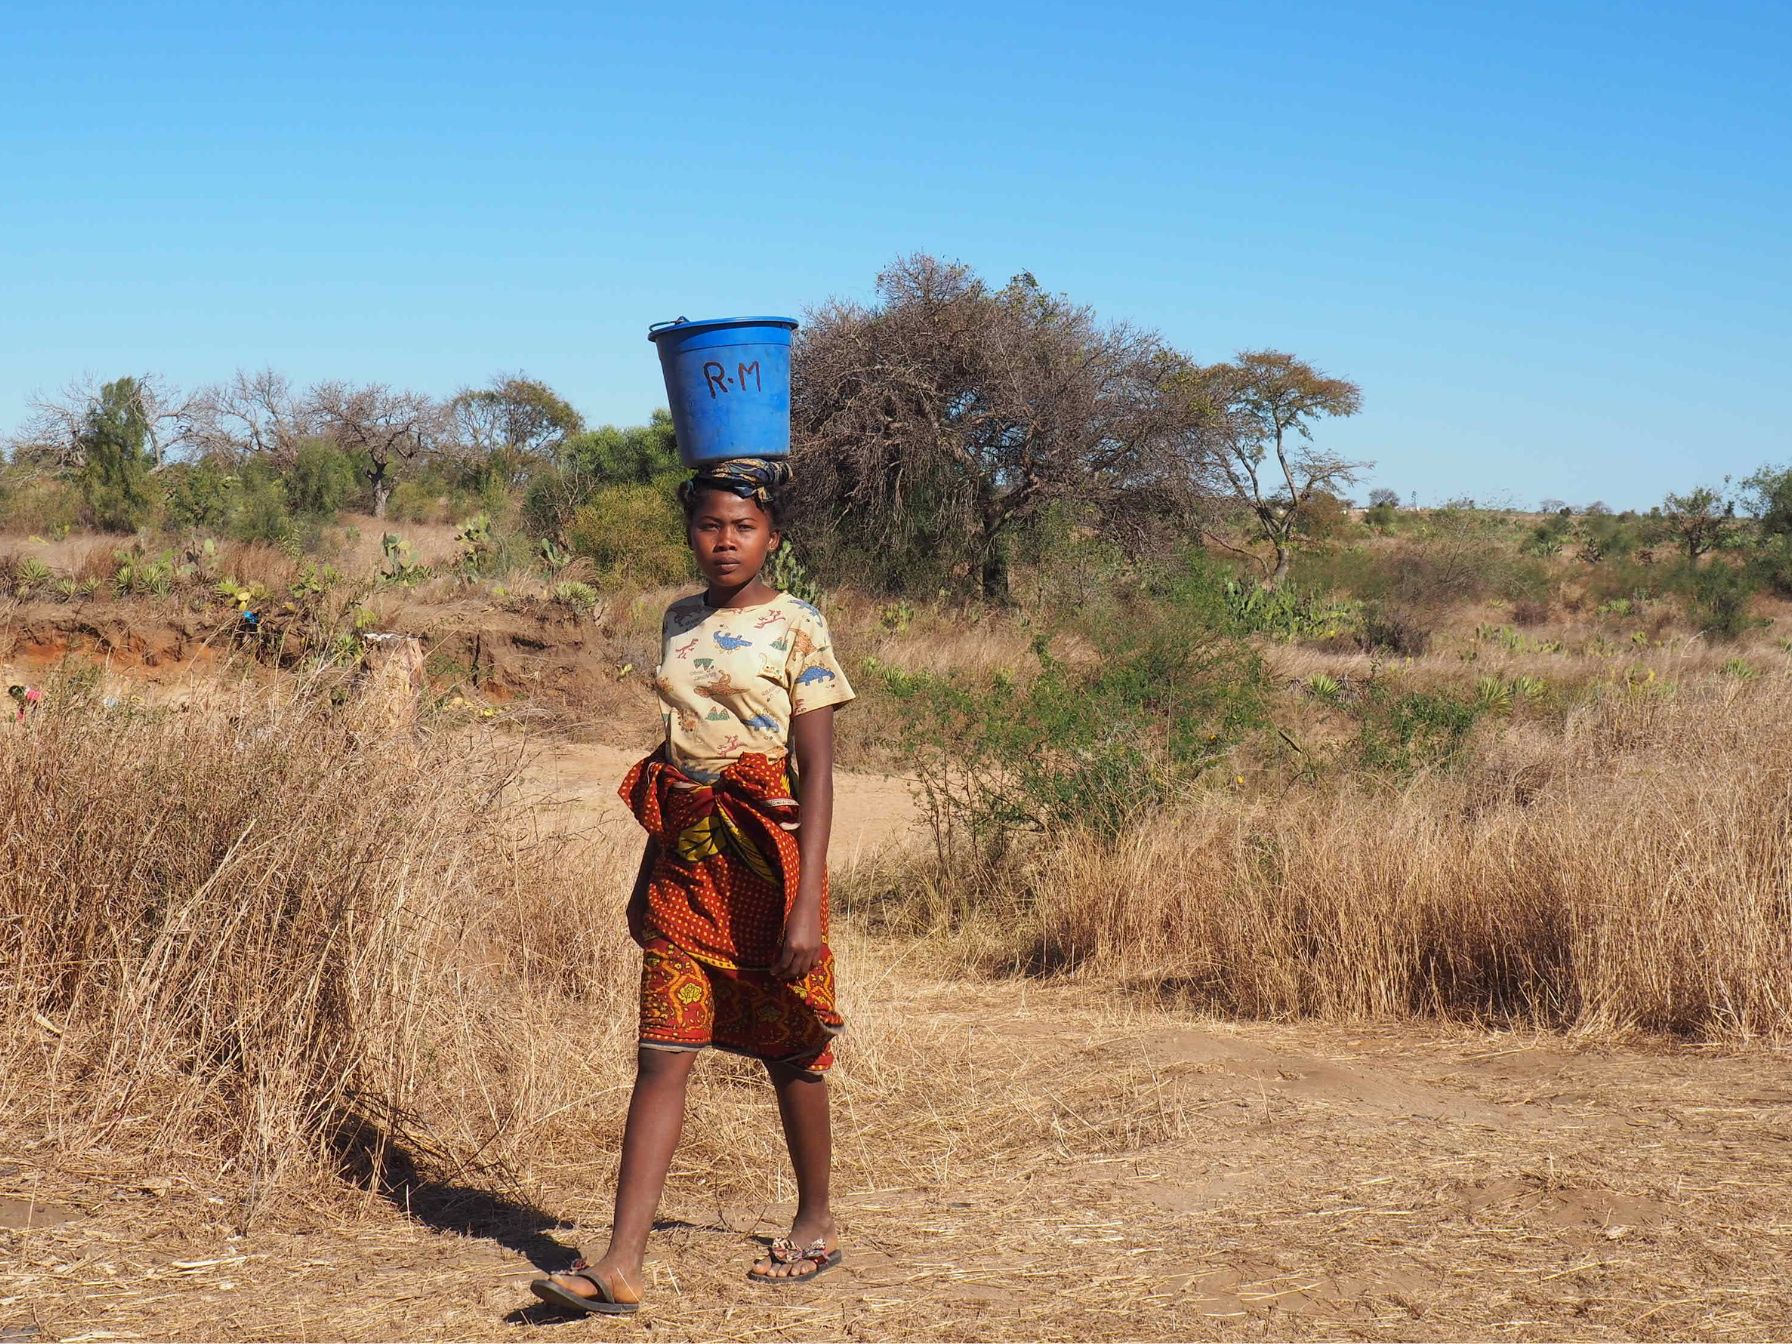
(1245, 1181)
(579, 782)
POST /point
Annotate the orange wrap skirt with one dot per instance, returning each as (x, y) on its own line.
(724, 877)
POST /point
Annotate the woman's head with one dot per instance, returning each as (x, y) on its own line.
(733, 511)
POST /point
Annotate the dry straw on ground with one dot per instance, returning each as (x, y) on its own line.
(253, 948)
(268, 938)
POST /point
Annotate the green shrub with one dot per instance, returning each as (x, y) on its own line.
(1289, 613)
(1629, 579)
(632, 530)
(554, 494)
(419, 501)
(38, 504)
(1525, 579)
(1064, 563)
(491, 487)
(594, 460)
(1175, 690)
(321, 480)
(200, 496)
(1348, 571)
(1717, 598)
(1549, 536)
(487, 549)
(1402, 733)
(1772, 566)
(1605, 537)
(259, 512)
(578, 596)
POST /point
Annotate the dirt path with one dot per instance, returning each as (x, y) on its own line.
(1132, 1172)
(870, 811)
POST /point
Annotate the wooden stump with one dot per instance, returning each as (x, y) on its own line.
(392, 684)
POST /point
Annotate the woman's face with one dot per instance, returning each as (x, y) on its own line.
(731, 537)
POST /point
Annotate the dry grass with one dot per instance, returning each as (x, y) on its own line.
(250, 947)
(267, 948)
(1633, 872)
(231, 931)
(261, 936)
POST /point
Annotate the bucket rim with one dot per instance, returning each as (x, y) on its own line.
(682, 325)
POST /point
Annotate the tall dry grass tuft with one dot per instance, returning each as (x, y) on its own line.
(244, 933)
(265, 947)
(1633, 873)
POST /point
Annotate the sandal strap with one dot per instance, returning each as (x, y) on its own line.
(787, 1252)
(581, 1269)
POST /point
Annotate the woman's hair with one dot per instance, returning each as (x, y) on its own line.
(762, 480)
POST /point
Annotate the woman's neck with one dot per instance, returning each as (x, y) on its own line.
(755, 592)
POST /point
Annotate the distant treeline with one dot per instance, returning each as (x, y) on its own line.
(940, 432)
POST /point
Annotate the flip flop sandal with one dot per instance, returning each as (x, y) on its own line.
(787, 1252)
(605, 1303)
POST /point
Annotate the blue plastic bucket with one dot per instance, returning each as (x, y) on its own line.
(728, 380)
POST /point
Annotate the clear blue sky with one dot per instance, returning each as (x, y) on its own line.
(1551, 242)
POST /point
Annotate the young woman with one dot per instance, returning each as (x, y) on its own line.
(730, 903)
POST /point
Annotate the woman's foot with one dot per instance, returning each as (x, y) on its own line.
(811, 1247)
(605, 1287)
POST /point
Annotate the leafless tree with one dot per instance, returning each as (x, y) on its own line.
(253, 415)
(1248, 427)
(941, 420)
(52, 433)
(381, 426)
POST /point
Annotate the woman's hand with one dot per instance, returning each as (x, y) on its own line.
(802, 941)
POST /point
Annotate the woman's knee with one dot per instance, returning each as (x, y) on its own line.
(784, 1075)
(663, 1066)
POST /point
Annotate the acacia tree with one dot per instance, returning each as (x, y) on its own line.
(512, 425)
(1767, 495)
(1697, 520)
(1249, 427)
(380, 426)
(934, 424)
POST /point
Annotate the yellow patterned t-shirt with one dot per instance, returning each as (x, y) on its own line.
(731, 679)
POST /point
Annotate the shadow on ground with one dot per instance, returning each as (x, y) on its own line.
(370, 1156)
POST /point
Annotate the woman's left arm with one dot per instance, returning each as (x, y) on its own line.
(812, 742)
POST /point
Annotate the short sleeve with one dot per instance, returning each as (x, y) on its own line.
(812, 666)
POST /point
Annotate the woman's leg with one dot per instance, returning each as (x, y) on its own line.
(655, 1119)
(803, 1107)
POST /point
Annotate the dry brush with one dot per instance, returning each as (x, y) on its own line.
(1633, 873)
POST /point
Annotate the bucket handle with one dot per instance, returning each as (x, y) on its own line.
(661, 326)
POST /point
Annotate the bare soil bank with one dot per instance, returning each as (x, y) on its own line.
(550, 655)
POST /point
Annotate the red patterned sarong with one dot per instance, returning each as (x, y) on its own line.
(716, 901)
